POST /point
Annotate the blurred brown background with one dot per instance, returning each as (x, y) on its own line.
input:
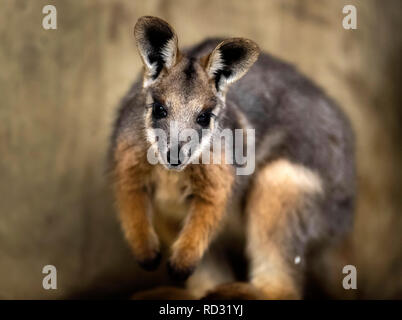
(59, 90)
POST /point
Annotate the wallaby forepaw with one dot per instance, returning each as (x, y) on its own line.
(152, 263)
(179, 273)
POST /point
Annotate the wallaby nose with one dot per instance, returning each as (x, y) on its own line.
(174, 160)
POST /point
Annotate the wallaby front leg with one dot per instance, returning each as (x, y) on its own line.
(133, 205)
(194, 238)
(212, 186)
(138, 228)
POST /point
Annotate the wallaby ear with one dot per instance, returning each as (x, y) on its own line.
(230, 60)
(157, 43)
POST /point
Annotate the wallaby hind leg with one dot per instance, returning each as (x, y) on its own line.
(282, 217)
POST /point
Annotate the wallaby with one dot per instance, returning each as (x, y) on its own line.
(299, 198)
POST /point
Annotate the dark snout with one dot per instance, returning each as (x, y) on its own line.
(176, 156)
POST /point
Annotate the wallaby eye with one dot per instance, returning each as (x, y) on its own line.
(204, 119)
(158, 111)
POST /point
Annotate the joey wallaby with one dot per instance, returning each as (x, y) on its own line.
(299, 198)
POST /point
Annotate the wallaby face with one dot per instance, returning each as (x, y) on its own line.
(183, 92)
(299, 198)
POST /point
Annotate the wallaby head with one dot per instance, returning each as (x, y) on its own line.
(183, 92)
